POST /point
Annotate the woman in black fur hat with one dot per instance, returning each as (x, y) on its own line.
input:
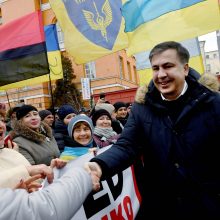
(33, 137)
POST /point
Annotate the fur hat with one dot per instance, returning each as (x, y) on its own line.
(98, 114)
(65, 110)
(44, 113)
(76, 119)
(24, 110)
(108, 107)
(118, 105)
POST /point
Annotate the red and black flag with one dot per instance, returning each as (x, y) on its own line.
(23, 53)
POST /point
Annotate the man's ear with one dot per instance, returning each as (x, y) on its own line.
(186, 69)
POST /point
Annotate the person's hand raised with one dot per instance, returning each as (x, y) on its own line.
(12, 145)
(58, 163)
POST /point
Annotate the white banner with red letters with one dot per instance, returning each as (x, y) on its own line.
(118, 197)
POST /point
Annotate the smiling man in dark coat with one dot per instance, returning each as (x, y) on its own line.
(176, 129)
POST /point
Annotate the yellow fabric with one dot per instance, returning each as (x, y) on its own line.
(178, 25)
(78, 46)
(56, 72)
(196, 63)
(67, 157)
(145, 76)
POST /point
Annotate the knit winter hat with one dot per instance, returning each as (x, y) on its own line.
(98, 114)
(108, 107)
(44, 113)
(65, 110)
(24, 110)
(118, 105)
(76, 119)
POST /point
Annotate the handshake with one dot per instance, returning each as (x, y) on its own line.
(42, 171)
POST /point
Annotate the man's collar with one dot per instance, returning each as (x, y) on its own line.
(182, 93)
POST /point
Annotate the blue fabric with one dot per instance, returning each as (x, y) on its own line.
(74, 151)
(137, 12)
(51, 37)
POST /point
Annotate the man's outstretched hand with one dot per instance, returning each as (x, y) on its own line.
(96, 172)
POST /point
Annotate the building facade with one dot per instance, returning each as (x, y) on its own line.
(211, 60)
(114, 72)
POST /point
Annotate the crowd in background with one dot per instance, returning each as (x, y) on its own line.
(33, 142)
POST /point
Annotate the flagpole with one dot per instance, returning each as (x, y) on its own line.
(8, 99)
(51, 93)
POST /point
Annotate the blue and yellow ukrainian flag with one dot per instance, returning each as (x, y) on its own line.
(151, 22)
(71, 153)
(92, 29)
(53, 52)
(54, 59)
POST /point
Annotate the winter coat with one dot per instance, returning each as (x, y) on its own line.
(180, 145)
(61, 135)
(37, 148)
(117, 126)
(12, 168)
(60, 200)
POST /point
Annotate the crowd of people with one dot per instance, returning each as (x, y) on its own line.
(169, 134)
(34, 142)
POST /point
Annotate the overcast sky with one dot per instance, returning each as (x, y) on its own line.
(211, 42)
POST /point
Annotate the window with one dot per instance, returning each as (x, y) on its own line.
(45, 6)
(135, 74)
(129, 70)
(121, 67)
(60, 36)
(90, 70)
(208, 68)
(207, 56)
(26, 88)
(2, 93)
(215, 55)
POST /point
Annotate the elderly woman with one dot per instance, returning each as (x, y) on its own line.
(80, 129)
(104, 134)
(34, 138)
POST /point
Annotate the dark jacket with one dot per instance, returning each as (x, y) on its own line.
(61, 135)
(180, 146)
(117, 127)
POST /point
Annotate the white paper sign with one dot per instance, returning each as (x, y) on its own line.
(86, 91)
